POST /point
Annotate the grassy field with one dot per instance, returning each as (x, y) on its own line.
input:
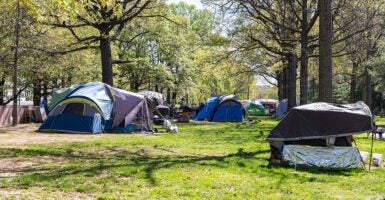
(202, 161)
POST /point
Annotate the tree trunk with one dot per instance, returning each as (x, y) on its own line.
(2, 83)
(353, 83)
(325, 92)
(36, 92)
(105, 51)
(136, 86)
(45, 91)
(285, 82)
(16, 56)
(173, 97)
(367, 88)
(304, 56)
(292, 81)
(313, 90)
(168, 95)
(280, 84)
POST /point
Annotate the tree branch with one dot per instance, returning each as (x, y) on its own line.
(17, 94)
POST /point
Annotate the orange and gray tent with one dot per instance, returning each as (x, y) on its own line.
(306, 134)
(97, 107)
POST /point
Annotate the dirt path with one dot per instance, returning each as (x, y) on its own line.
(26, 134)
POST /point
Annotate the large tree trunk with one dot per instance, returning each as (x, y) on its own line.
(280, 84)
(325, 93)
(105, 51)
(304, 56)
(292, 81)
(353, 83)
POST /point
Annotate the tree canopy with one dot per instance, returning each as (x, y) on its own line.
(182, 51)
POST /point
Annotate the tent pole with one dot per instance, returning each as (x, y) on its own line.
(153, 107)
(371, 151)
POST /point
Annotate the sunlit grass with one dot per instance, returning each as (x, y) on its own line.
(202, 161)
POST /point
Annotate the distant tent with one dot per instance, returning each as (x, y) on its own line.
(269, 104)
(224, 108)
(158, 104)
(155, 97)
(97, 107)
(319, 134)
(281, 110)
(253, 108)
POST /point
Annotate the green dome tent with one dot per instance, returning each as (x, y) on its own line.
(254, 108)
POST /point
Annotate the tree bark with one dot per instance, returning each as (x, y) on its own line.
(36, 92)
(15, 74)
(45, 91)
(292, 81)
(304, 56)
(105, 51)
(367, 88)
(280, 85)
(168, 95)
(285, 82)
(353, 83)
(325, 92)
(2, 83)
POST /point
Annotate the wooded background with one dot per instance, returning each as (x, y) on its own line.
(309, 50)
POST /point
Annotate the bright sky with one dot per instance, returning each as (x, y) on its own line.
(197, 3)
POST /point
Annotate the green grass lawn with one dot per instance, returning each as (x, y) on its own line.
(202, 161)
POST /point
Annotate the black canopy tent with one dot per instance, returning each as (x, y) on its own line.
(320, 125)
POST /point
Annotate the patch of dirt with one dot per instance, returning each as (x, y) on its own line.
(26, 134)
(11, 167)
(42, 193)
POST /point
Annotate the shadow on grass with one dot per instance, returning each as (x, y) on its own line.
(133, 163)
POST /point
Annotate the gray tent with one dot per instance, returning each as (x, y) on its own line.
(155, 97)
(321, 127)
(281, 110)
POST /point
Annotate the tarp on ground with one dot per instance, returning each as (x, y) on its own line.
(324, 157)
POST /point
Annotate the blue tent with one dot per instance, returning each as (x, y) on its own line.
(224, 108)
(96, 107)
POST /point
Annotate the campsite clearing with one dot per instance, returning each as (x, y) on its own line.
(205, 160)
(25, 134)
